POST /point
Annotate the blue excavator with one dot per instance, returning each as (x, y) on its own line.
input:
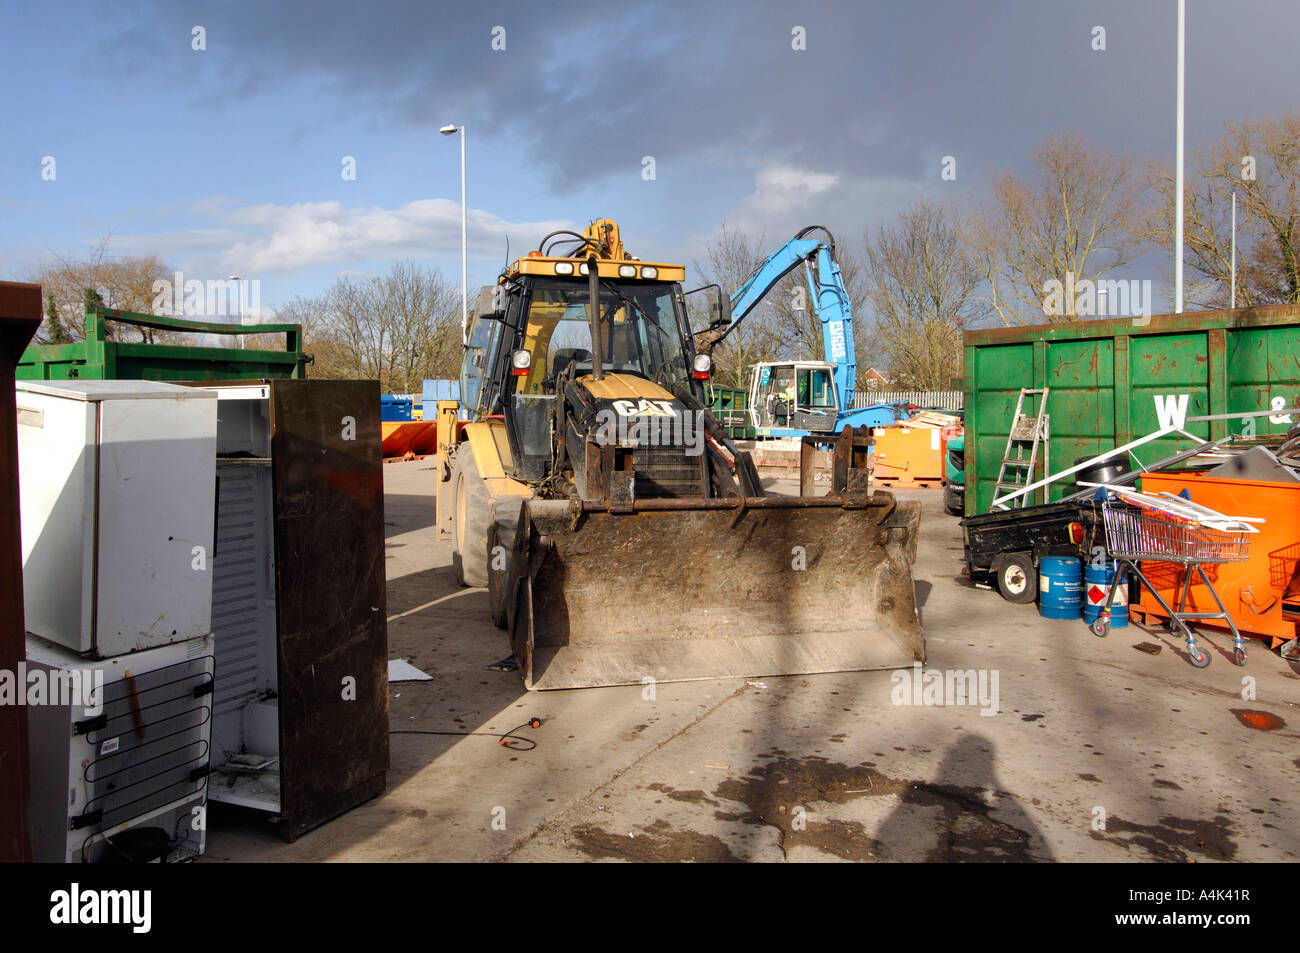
(797, 398)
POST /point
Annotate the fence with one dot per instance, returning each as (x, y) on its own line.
(932, 399)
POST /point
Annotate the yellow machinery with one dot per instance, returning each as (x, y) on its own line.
(622, 536)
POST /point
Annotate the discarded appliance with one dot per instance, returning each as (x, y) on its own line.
(123, 743)
(117, 481)
(300, 715)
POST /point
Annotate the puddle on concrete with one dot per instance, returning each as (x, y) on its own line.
(772, 789)
(690, 797)
(1259, 720)
(1173, 839)
(656, 843)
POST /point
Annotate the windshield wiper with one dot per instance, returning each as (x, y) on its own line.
(623, 296)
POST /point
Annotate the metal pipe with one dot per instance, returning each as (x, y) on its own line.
(1178, 174)
(1234, 248)
(593, 315)
(464, 247)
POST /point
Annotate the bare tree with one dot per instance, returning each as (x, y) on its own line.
(397, 328)
(922, 288)
(1260, 161)
(124, 283)
(730, 259)
(1074, 217)
(329, 353)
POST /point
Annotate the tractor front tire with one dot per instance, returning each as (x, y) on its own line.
(471, 518)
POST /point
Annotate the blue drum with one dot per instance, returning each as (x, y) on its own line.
(1096, 585)
(1060, 587)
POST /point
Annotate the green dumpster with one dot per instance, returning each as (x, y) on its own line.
(1114, 381)
(100, 358)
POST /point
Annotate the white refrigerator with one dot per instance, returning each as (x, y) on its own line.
(117, 493)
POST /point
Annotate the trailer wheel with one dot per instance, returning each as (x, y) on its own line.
(471, 516)
(1016, 578)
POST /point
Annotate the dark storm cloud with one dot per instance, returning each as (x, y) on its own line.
(884, 89)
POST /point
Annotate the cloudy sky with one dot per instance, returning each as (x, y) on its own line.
(230, 159)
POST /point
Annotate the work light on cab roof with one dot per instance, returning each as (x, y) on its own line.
(600, 239)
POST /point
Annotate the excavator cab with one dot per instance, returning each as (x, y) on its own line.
(792, 398)
(622, 536)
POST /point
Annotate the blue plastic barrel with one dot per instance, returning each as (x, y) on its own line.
(1060, 587)
(1096, 584)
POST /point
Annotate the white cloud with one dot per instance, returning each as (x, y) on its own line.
(278, 239)
(787, 178)
(786, 198)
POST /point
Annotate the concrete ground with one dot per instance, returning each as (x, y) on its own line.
(1098, 751)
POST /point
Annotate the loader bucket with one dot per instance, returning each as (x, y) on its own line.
(678, 590)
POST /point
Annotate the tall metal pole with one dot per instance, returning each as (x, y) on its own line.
(1178, 174)
(464, 246)
(1234, 248)
(239, 306)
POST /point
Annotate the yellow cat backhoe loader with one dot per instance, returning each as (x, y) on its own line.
(621, 535)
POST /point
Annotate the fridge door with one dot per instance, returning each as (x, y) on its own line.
(56, 477)
(331, 610)
(157, 466)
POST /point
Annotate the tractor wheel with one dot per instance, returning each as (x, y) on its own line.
(471, 517)
(497, 578)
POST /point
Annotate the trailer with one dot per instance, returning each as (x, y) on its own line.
(1009, 544)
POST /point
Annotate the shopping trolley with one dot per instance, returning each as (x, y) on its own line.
(1134, 534)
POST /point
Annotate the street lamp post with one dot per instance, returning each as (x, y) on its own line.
(239, 307)
(1178, 173)
(450, 130)
(1233, 292)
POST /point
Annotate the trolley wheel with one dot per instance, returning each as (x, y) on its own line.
(1100, 627)
(1198, 656)
(1239, 655)
(1017, 580)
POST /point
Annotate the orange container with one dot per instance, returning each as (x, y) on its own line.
(401, 437)
(1251, 590)
(908, 456)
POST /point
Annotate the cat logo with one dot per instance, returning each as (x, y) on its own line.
(644, 408)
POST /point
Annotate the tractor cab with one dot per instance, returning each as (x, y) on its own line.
(535, 340)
